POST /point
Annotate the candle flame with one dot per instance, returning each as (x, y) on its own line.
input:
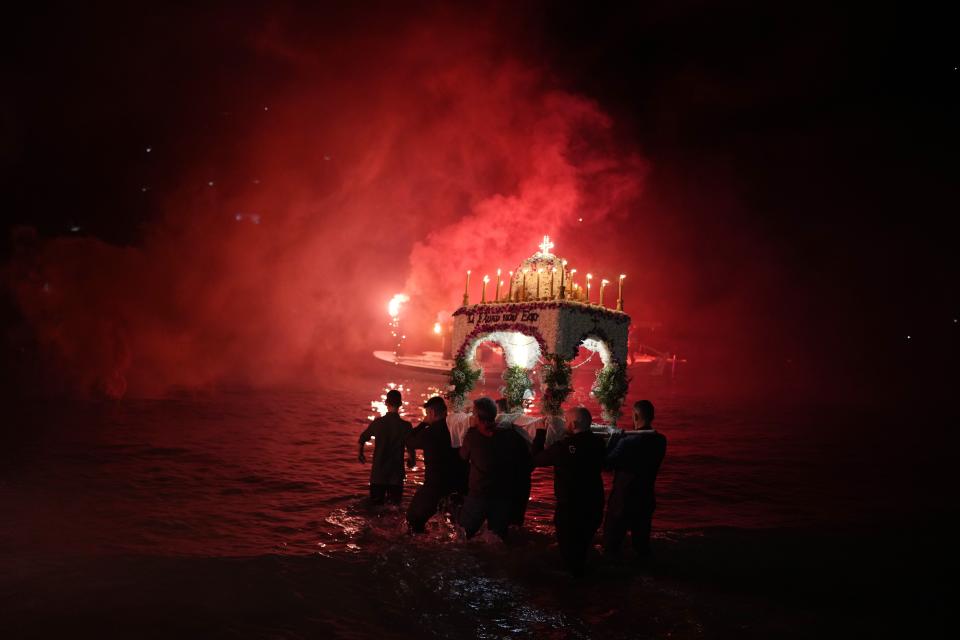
(486, 279)
(604, 281)
(622, 276)
(436, 328)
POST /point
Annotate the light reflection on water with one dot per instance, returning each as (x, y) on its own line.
(241, 473)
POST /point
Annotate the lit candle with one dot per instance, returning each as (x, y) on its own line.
(603, 284)
(510, 290)
(483, 290)
(589, 278)
(563, 272)
(523, 289)
(573, 285)
(620, 293)
(496, 297)
(466, 290)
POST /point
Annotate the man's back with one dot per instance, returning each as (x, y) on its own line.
(577, 461)
(438, 454)
(390, 432)
(499, 462)
(635, 458)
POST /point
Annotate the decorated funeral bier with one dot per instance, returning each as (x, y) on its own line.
(543, 316)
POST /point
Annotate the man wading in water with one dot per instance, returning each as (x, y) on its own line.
(440, 460)
(635, 458)
(577, 462)
(390, 432)
(499, 460)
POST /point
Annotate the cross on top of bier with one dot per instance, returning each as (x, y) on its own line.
(546, 245)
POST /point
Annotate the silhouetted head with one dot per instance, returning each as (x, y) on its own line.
(578, 420)
(502, 405)
(393, 400)
(642, 414)
(435, 409)
(485, 411)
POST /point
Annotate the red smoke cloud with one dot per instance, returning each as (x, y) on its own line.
(568, 171)
(427, 153)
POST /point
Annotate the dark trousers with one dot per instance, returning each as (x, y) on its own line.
(391, 492)
(575, 530)
(616, 525)
(424, 504)
(495, 511)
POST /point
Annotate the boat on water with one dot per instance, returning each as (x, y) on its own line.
(427, 362)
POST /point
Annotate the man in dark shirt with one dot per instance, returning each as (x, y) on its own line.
(577, 462)
(433, 436)
(499, 459)
(521, 499)
(635, 459)
(390, 432)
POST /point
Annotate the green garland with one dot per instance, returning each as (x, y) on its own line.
(463, 378)
(555, 376)
(516, 383)
(610, 389)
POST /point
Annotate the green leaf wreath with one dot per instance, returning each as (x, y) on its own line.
(516, 381)
(610, 389)
(555, 377)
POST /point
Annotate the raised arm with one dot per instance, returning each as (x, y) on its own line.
(545, 457)
(465, 447)
(417, 437)
(539, 440)
(615, 452)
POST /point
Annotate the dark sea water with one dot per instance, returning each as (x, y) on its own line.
(242, 514)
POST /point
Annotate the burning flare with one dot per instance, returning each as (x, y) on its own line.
(393, 307)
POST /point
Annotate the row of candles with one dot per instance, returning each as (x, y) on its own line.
(576, 292)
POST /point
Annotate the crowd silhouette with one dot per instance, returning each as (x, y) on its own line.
(479, 472)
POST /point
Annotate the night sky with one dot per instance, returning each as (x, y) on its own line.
(798, 168)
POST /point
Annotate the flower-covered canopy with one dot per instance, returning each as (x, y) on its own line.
(545, 318)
